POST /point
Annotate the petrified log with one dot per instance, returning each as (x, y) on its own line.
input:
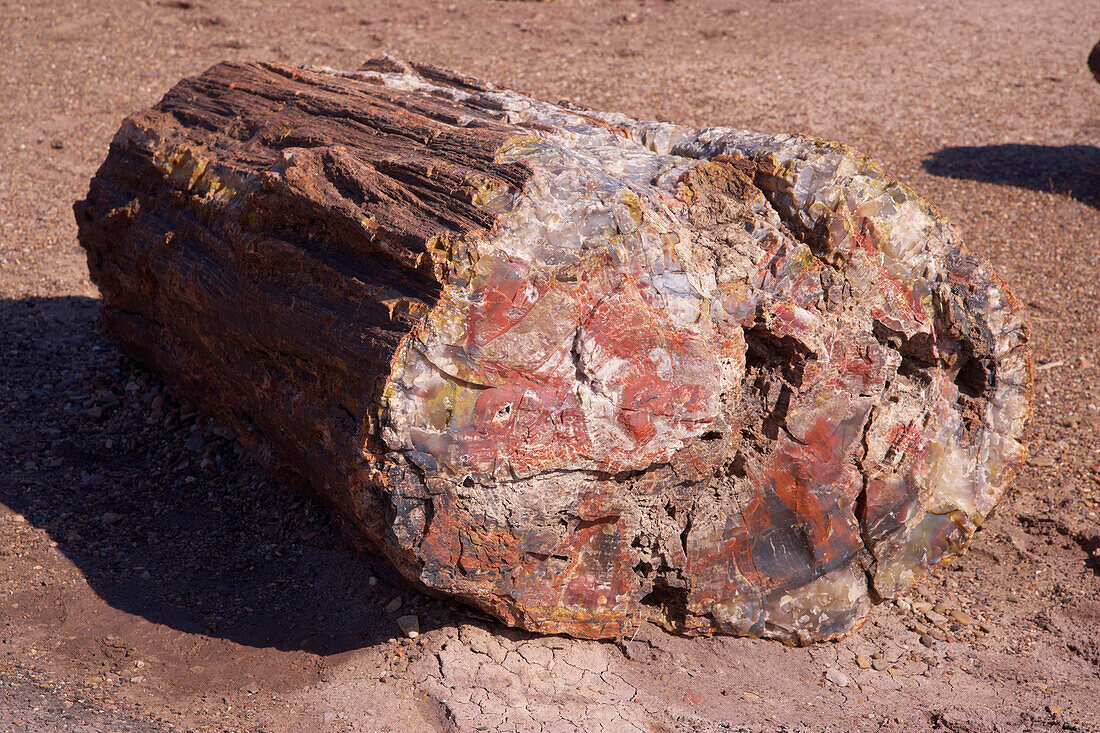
(576, 370)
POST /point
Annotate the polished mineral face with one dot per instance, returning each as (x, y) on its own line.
(723, 381)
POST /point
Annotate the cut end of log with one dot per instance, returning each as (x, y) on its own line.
(577, 370)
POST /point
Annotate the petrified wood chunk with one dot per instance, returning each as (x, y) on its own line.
(577, 370)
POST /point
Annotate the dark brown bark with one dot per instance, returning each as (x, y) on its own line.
(261, 236)
(577, 370)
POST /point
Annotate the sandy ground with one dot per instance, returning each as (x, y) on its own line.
(151, 578)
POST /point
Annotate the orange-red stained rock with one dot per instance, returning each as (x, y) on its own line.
(574, 369)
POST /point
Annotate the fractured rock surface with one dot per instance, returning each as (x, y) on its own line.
(577, 370)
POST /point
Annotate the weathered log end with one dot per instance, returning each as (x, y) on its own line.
(576, 370)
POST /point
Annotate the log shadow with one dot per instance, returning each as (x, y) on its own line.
(164, 516)
(1067, 170)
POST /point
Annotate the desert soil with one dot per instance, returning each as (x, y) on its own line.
(152, 578)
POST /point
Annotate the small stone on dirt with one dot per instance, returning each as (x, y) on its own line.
(409, 625)
(223, 432)
(863, 661)
(937, 618)
(837, 677)
(962, 618)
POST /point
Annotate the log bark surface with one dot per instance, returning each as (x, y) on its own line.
(577, 370)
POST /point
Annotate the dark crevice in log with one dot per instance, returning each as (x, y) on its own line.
(773, 373)
(669, 600)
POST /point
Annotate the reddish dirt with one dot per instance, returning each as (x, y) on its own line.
(152, 579)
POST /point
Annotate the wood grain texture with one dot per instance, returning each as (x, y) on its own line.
(577, 370)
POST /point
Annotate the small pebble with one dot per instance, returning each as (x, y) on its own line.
(863, 661)
(961, 618)
(223, 432)
(837, 677)
(694, 698)
(409, 625)
(937, 618)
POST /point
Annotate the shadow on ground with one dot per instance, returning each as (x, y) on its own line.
(1068, 170)
(163, 516)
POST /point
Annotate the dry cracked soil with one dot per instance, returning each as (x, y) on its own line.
(152, 578)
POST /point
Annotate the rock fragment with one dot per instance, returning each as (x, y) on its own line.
(409, 625)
